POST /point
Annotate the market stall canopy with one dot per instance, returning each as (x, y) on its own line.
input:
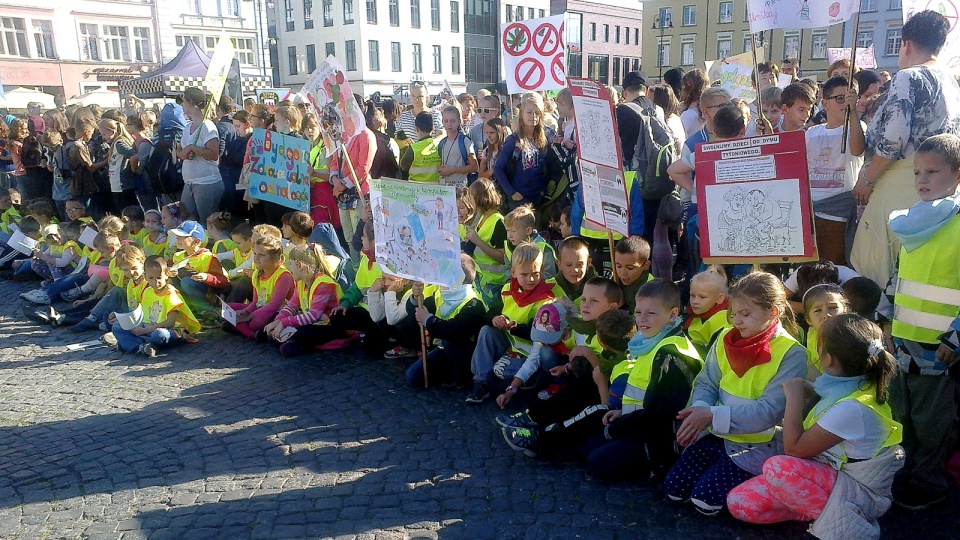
(107, 99)
(18, 98)
(187, 69)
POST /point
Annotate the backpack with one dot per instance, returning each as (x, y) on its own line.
(62, 160)
(557, 163)
(653, 153)
(32, 152)
(384, 162)
(463, 154)
(162, 168)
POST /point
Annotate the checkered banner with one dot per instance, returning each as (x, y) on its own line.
(171, 85)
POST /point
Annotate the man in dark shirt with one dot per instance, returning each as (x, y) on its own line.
(232, 149)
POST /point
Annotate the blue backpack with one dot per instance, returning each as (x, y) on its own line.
(463, 154)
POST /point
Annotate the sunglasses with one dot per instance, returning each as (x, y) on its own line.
(486, 110)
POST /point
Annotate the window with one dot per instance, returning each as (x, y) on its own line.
(573, 25)
(593, 31)
(616, 38)
(182, 40)
(864, 37)
(211, 45)
(626, 36)
(328, 12)
(509, 13)
(330, 49)
(116, 43)
(193, 7)
(90, 40)
(575, 64)
(311, 58)
(893, 42)
(372, 11)
(687, 45)
(606, 33)
(455, 60)
(598, 68)
(43, 38)
(417, 58)
(724, 45)
(14, 41)
(818, 46)
(542, 13)
(395, 56)
(233, 8)
(374, 47)
(394, 12)
(415, 13)
(437, 62)
(616, 70)
(455, 17)
(435, 14)
(895, 5)
(689, 16)
(347, 11)
(307, 14)
(288, 10)
(636, 37)
(663, 51)
(868, 5)
(351, 53)
(519, 15)
(531, 13)
(791, 45)
(726, 12)
(636, 64)
(666, 17)
(141, 45)
(292, 60)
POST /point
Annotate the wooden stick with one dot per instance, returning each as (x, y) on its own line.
(853, 66)
(353, 173)
(768, 127)
(423, 346)
(613, 267)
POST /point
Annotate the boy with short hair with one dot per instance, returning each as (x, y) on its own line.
(922, 316)
(202, 275)
(796, 102)
(706, 315)
(863, 297)
(770, 105)
(510, 320)
(421, 161)
(575, 269)
(631, 261)
(520, 223)
(9, 212)
(76, 210)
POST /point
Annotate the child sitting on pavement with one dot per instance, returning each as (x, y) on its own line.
(272, 287)
(706, 315)
(353, 312)
(520, 223)
(388, 299)
(575, 268)
(155, 241)
(820, 302)
(202, 275)
(631, 262)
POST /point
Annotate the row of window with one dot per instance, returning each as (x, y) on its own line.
(225, 8)
(15, 40)
(98, 42)
(626, 31)
(373, 50)
(372, 14)
(725, 12)
(598, 68)
(243, 48)
(516, 13)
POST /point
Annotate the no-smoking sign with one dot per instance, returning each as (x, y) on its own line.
(546, 40)
(533, 54)
(530, 74)
(516, 39)
(557, 71)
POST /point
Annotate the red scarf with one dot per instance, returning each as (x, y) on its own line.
(523, 298)
(745, 353)
(707, 314)
(371, 258)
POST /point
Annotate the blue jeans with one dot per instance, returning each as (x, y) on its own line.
(491, 344)
(128, 342)
(446, 363)
(113, 301)
(693, 241)
(195, 294)
(65, 284)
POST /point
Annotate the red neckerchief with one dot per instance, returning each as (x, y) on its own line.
(543, 291)
(371, 258)
(706, 315)
(559, 347)
(744, 354)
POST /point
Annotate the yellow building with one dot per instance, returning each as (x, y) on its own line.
(697, 30)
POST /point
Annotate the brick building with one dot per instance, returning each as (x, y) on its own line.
(603, 41)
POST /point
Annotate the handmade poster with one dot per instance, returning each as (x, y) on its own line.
(219, 68)
(87, 237)
(797, 14)
(415, 226)
(271, 97)
(742, 59)
(754, 198)
(332, 98)
(601, 165)
(279, 169)
(22, 243)
(866, 59)
(738, 80)
(950, 53)
(534, 57)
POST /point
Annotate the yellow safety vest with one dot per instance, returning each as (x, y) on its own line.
(157, 307)
(223, 246)
(745, 390)
(199, 261)
(264, 287)
(115, 273)
(138, 238)
(154, 248)
(520, 315)
(366, 275)
(867, 398)
(813, 354)
(539, 242)
(491, 272)
(305, 296)
(927, 300)
(438, 301)
(135, 291)
(426, 162)
(318, 161)
(93, 256)
(701, 331)
(642, 371)
(9, 216)
(590, 230)
(57, 251)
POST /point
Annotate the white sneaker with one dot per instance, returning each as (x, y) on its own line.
(73, 294)
(147, 349)
(110, 340)
(37, 296)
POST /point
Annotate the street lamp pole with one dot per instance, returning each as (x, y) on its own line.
(661, 25)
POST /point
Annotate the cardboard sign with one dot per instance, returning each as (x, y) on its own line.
(219, 68)
(534, 55)
(416, 231)
(738, 81)
(271, 97)
(866, 59)
(328, 90)
(742, 59)
(605, 199)
(754, 200)
(279, 170)
(798, 14)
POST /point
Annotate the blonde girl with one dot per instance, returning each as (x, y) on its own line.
(489, 239)
(272, 286)
(820, 303)
(495, 132)
(123, 181)
(519, 170)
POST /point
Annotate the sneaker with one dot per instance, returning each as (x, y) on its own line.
(85, 325)
(400, 352)
(522, 440)
(549, 391)
(37, 296)
(36, 315)
(915, 501)
(147, 349)
(73, 294)
(479, 393)
(110, 340)
(520, 419)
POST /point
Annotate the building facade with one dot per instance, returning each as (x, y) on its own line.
(880, 24)
(603, 41)
(482, 21)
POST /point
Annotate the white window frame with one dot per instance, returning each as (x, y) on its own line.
(814, 36)
(688, 43)
(725, 13)
(116, 41)
(725, 37)
(142, 44)
(689, 15)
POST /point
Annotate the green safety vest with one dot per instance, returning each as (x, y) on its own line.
(868, 398)
(491, 271)
(701, 331)
(426, 161)
(642, 370)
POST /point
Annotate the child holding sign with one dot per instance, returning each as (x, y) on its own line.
(272, 286)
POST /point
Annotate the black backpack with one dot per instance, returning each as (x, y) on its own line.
(654, 152)
(384, 162)
(31, 154)
(163, 168)
(63, 160)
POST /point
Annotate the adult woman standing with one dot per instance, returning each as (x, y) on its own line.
(200, 151)
(923, 100)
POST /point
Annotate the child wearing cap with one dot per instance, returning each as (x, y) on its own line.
(202, 274)
(60, 254)
(551, 337)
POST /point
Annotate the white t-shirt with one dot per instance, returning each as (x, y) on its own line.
(831, 172)
(691, 121)
(846, 274)
(687, 156)
(200, 171)
(676, 129)
(862, 430)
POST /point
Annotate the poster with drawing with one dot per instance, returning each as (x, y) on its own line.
(328, 90)
(415, 226)
(738, 80)
(754, 198)
(279, 171)
(949, 55)
(598, 149)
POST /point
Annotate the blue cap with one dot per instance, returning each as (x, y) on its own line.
(189, 228)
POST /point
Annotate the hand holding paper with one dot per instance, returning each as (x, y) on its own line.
(228, 313)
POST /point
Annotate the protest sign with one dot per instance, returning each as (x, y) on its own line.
(866, 59)
(738, 80)
(331, 96)
(87, 237)
(271, 97)
(798, 14)
(754, 200)
(218, 68)
(415, 226)
(949, 55)
(22, 243)
(534, 54)
(279, 170)
(784, 80)
(601, 165)
(742, 59)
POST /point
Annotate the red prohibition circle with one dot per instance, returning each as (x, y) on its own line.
(557, 71)
(516, 39)
(546, 40)
(530, 74)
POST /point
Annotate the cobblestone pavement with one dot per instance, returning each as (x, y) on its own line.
(225, 439)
